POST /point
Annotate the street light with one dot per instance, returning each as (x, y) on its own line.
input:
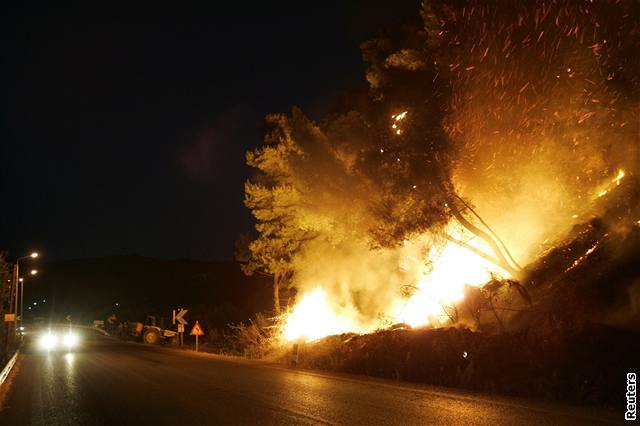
(21, 280)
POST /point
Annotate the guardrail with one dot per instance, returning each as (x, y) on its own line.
(7, 368)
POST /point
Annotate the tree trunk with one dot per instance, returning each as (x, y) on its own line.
(502, 244)
(500, 259)
(276, 293)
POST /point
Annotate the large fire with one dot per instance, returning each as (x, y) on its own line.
(522, 125)
(313, 318)
(453, 268)
(439, 282)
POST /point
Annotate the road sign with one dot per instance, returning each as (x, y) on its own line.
(9, 317)
(180, 328)
(180, 315)
(197, 330)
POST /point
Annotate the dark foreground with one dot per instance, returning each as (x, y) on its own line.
(114, 383)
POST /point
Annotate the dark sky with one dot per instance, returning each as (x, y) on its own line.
(124, 130)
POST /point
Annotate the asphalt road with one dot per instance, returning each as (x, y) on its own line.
(109, 382)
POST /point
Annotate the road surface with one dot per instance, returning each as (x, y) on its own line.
(118, 383)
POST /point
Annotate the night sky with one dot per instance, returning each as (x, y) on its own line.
(124, 130)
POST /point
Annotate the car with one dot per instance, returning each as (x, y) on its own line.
(52, 337)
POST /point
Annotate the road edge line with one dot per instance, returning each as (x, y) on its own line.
(8, 367)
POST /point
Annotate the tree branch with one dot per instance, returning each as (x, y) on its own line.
(494, 260)
(504, 247)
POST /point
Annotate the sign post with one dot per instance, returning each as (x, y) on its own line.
(179, 318)
(197, 331)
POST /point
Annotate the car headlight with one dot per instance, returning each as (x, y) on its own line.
(48, 341)
(70, 340)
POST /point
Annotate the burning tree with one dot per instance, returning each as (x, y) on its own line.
(516, 111)
(515, 106)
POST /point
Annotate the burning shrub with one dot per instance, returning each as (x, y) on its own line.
(257, 338)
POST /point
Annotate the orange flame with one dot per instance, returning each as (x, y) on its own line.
(439, 286)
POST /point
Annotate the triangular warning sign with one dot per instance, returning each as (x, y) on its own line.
(197, 330)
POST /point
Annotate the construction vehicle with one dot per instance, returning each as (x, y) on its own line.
(149, 332)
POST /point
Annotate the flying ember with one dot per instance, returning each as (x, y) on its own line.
(608, 186)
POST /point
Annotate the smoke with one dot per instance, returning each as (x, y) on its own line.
(336, 210)
(361, 282)
(367, 286)
(202, 157)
